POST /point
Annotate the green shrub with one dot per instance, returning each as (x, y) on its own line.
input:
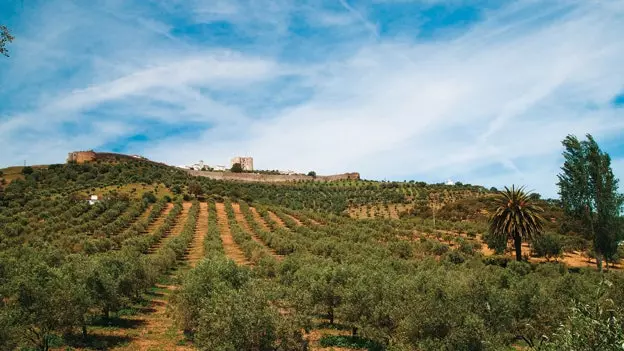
(548, 246)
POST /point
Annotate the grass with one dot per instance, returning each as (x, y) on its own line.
(10, 174)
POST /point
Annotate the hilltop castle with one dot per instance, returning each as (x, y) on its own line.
(81, 156)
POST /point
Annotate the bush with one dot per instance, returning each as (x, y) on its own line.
(547, 245)
(455, 257)
(27, 170)
(237, 168)
(495, 242)
(497, 260)
(149, 197)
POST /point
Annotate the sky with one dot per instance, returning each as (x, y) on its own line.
(475, 91)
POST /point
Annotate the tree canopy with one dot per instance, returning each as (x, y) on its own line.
(516, 217)
(589, 194)
(5, 38)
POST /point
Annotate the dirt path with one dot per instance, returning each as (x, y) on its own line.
(160, 220)
(277, 220)
(229, 246)
(175, 230)
(295, 219)
(240, 218)
(151, 328)
(259, 219)
(156, 330)
(196, 251)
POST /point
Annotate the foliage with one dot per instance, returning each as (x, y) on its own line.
(516, 217)
(66, 265)
(590, 326)
(236, 168)
(5, 38)
(149, 197)
(27, 170)
(353, 342)
(195, 189)
(589, 193)
(312, 174)
(547, 245)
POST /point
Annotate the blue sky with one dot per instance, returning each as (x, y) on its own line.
(476, 91)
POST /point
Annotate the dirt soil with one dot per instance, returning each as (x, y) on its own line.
(295, 219)
(242, 221)
(160, 220)
(277, 220)
(152, 327)
(259, 219)
(196, 251)
(229, 246)
(177, 227)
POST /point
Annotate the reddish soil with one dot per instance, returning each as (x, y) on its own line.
(196, 251)
(160, 220)
(229, 246)
(152, 328)
(175, 230)
(277, 220)
(259, 219)
(315, 336)
(156, 329)
(295, 219)
(378, 211)
(571, 259)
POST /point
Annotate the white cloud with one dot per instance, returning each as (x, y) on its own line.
(489, 106)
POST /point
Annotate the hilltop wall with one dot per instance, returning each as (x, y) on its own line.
(81, 156)
(271, 178)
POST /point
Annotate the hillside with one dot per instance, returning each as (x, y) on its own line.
(166, 260)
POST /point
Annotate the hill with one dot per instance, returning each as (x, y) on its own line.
(259, 266)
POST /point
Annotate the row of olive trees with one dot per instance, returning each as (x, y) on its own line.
(46, 293)
(343, 272)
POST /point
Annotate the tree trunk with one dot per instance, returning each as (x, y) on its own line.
(599, 261)
(518, 246)
(84, 331)
(331, 315)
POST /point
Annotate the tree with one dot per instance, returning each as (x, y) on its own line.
(312, 174)
(589, 194)
(5, 38)
(149, 197)
(237, 168)
(27, 170)
(515, 217)
(195, 189)
(548, 246)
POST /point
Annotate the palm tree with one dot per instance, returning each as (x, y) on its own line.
(516, 217)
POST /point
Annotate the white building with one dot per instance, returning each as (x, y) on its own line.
(93, 200)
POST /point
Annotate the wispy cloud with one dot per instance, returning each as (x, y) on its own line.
(319, 86)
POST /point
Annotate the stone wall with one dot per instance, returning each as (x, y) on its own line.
(81, 156)
(271, 178)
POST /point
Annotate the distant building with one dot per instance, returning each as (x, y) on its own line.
(245, 162)
(450, 182)
(81, 156)
(199, 166)
(219, 168)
